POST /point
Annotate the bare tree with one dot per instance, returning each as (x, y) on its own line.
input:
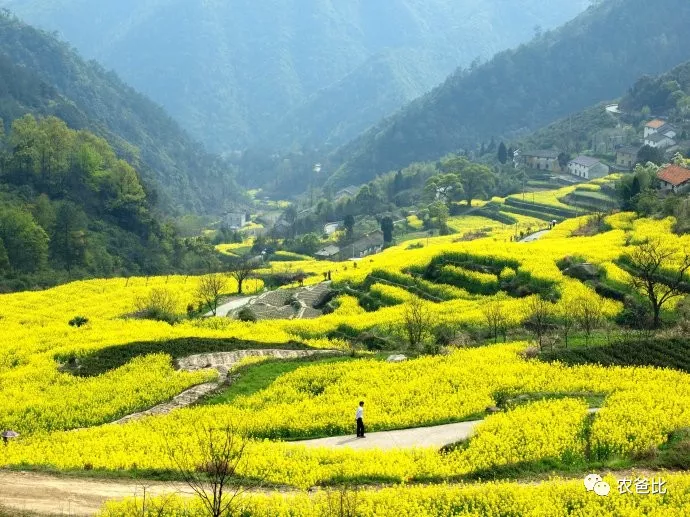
(341, 502)
(241, 269)
(211, 467)
(416, 321)
(538, 319)
(658, 270)
(494, 314)
(587, 314)
(567, 321)
(210, 288)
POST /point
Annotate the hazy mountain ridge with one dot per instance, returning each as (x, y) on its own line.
(586, 60)
(231, 71)
(86, 96)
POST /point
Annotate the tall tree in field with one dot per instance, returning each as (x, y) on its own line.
(658, 270)
(210, 289)
(349, 224)
(476, 180)
(241, 269)
(387, 227)
(502, 153)
(444, 187)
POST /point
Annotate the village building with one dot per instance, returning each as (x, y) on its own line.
(626, 157)
(653, 126)
(659, 141)
(347, 192)
(331, 252)
(236, 219)
(542, 160)
(369, 244)
(587, 167)
(659, 134)
(674, 178)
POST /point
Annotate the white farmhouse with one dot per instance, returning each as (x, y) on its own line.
(587, 167)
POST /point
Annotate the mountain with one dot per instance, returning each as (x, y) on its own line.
(243, 73)
(596, 56)
(44, 76)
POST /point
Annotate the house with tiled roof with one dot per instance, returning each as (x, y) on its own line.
(588, 168)
(626, 157)
(674, 178)
(659, 141)
(653, 126)
(542, 160)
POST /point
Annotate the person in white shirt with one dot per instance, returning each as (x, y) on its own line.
(359, 417)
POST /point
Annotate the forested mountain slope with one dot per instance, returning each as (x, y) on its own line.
(230, 71)
(594, 57)
(44, 76)
(69, 208)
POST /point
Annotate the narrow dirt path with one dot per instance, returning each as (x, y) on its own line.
(436, 436)
(50, 495)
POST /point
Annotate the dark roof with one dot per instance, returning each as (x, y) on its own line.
(586, 161)
(629, 149)
(368, 241)
(674, 174)
(544, 153)
(657, 137)
(328, 251)
(349, 191)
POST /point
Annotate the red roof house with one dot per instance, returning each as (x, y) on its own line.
(674, 177)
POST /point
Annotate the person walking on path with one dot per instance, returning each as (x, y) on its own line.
(359, 417)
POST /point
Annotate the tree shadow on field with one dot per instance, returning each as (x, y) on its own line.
(113, 357)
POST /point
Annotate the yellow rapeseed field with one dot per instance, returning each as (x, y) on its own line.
(42, 399)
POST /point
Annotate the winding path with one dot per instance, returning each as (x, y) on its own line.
(53, 495)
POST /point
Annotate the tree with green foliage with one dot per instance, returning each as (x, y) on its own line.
(68, 241)
(398, 182)
(25, 241)
(502, 153)
(444, 187)
(387, 228)
(438, 210)
(476, 181)
(648, 154)
(4, 259)
(349, 224)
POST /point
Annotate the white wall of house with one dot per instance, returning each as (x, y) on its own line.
(661, 144)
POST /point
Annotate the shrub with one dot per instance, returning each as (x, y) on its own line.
(78, 321)
(159, 305)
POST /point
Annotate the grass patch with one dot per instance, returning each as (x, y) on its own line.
(256, 377)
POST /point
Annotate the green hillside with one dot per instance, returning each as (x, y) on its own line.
(594, 57)
(69, 208)
(230, 72)
(44, 76)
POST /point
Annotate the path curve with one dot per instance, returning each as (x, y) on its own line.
(53, 495)
(434, 436)
(222, 362)
(535, 236)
